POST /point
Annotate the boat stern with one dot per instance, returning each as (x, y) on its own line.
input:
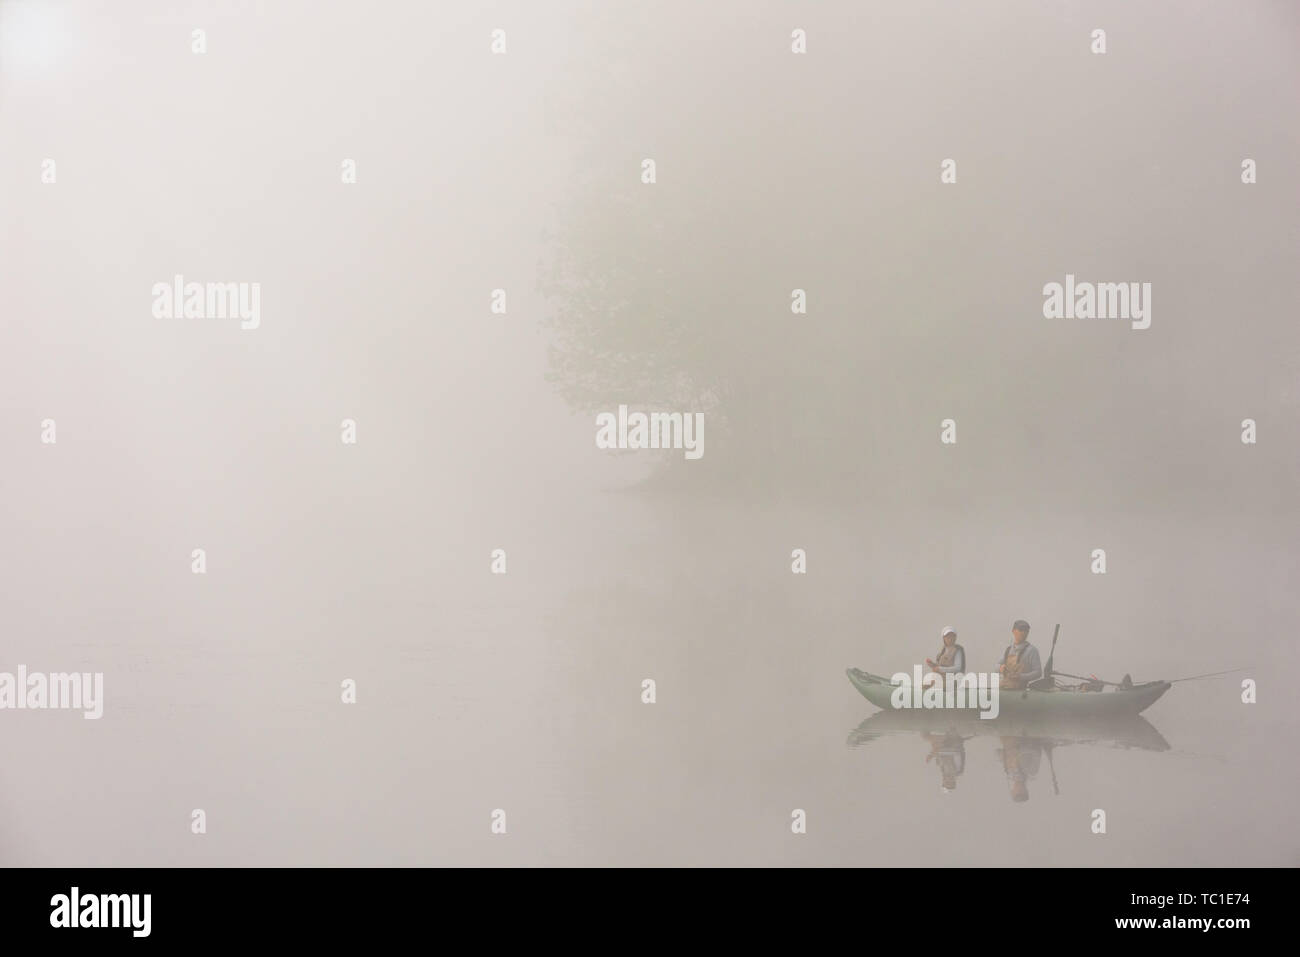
(1150, 693)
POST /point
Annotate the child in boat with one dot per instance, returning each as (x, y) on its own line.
(952, 657)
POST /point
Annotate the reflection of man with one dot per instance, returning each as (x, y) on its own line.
(1020, 664)
(950, 750)
(1021, 758)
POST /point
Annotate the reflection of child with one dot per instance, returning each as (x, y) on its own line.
(950, 749)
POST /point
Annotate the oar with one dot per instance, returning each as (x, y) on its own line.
(1082, 678)
(1047, 672)
(1045, 682)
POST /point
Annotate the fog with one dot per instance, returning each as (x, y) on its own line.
(522, 171)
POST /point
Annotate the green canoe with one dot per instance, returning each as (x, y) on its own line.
(1056, 703)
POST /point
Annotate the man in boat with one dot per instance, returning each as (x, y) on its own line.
(952, 657)
(1020, 664)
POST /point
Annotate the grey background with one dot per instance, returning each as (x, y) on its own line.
(476, 431)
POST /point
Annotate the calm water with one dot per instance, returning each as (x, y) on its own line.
(522, 692)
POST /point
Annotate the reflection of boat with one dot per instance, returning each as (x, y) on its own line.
(1063, 702)
(1123, 732)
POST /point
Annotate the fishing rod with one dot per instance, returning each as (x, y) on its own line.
(1049, 673)
(1213, 674)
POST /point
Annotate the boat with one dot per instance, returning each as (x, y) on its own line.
(1072, 702)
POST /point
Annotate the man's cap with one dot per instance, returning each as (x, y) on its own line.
(949, 630)
(1021, 625)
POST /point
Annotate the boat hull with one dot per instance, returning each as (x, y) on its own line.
(1027, 703)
